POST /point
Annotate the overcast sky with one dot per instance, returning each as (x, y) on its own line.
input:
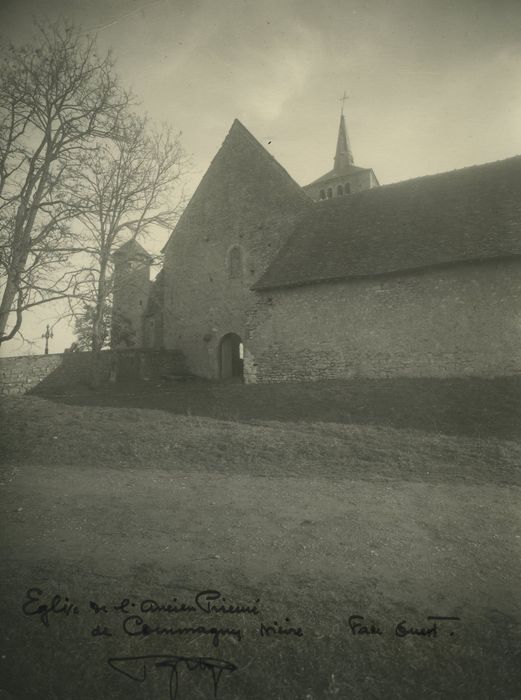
(434, 84)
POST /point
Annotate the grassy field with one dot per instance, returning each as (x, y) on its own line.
(393, 501)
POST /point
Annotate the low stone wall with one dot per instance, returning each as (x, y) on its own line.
(58, 372)
(146, 364)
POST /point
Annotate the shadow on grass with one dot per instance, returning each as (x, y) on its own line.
(453, 406)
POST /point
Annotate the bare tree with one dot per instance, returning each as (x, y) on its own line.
(83, 327)
(57, 97)
(114, 327)
(128, 188)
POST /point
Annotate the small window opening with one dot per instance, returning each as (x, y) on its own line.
(322, 194)
(339, 191)
(347, 188)
(329, 193)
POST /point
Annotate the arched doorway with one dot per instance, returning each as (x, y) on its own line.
(231, 364)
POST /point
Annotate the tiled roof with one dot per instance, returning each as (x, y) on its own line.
(462, 215)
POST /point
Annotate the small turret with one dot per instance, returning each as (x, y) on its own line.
(130, 295)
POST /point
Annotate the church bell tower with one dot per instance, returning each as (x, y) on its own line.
(346, 178)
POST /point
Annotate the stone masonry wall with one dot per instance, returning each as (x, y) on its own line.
(19, 375)
(57, 372)
(245, 201)
(460, 320)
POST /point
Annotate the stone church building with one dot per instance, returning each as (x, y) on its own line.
(272, 281)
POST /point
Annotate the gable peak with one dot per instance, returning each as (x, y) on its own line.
(238, 129)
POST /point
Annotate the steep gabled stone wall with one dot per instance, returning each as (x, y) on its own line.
(242, 213)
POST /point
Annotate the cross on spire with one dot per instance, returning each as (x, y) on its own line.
(343, 99)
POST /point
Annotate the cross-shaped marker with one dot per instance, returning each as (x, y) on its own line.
(343, 99)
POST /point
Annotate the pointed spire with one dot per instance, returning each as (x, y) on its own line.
(343, 155)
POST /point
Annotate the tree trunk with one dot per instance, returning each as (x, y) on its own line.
(97, 328)
(20, 254)
(9, 296)
(97, 344)
(95, 369)
(6, 307)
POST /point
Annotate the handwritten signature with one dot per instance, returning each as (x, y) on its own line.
(135, 667)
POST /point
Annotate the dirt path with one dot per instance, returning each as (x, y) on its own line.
(319, 550)
(298, 534)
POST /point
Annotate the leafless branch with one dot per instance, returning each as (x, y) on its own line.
(58, 101)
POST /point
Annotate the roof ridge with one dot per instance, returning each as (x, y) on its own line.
(474, 166)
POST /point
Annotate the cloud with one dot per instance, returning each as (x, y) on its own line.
(271, 80)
